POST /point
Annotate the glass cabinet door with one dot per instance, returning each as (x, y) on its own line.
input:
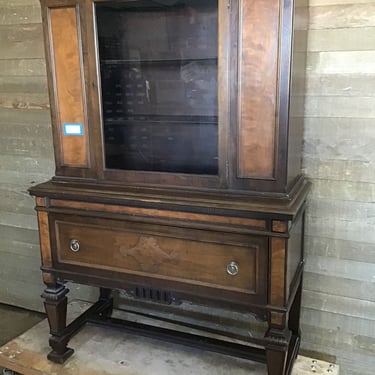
(159, 85)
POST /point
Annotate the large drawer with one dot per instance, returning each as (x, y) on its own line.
(225, 261)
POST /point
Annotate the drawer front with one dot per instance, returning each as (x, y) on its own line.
(195, 257)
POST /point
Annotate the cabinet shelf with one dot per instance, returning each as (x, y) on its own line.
(157, 61)
(142, 119)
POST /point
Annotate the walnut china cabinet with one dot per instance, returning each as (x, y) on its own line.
(177, 132)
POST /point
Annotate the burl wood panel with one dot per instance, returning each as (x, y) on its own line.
(277, 276)
(44, 238)
(69, 84)
(279, 226)
(258, 71)
(152, 255)
(277, 319)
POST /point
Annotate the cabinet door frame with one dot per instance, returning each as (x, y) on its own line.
(74, 156)
(182, 180)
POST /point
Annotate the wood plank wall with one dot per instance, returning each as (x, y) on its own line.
(339, 296)
(26, 154)
(25, 148)
(339, 157)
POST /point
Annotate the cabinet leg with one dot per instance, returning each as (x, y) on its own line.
(277, 351)
(56, 305)
(276, 362)
(106, 296)
(295, 313)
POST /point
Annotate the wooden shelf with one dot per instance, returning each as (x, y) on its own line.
(158, 61)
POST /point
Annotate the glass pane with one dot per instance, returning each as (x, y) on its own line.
(158, 65)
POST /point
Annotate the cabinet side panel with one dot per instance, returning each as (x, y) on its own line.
(258, 69)
(69, 88)
(297, 93)
(295, 252)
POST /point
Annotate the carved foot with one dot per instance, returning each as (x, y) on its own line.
(60, 352)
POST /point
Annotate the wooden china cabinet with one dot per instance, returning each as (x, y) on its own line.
(177, 132)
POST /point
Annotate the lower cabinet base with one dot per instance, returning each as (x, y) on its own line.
(227, 252)
(280, 347)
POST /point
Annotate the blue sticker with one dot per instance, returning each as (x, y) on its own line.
(73, 129)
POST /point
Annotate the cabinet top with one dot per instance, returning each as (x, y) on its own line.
(210, 202)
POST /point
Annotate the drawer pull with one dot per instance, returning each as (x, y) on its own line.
(232, 268)
(74, 245)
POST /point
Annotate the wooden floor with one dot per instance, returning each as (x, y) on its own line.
(106, 351)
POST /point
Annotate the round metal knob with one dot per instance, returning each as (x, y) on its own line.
(232, 268)
(74, 245)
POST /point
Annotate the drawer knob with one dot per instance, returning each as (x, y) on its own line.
(232, 268)
(74, 245)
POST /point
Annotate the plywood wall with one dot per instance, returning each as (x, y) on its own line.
(339, 157)
(339, 296)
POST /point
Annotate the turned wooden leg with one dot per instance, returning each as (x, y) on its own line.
(277, 351)
(56, 305)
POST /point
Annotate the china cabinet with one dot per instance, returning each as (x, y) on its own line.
(177, 132)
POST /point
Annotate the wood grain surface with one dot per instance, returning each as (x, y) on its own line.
(69, 84)
(258, 69)
(194, 259)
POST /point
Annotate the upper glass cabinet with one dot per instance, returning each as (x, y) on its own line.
(159, 85)
(190, 94)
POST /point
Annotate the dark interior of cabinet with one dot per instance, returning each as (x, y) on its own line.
(159, 73)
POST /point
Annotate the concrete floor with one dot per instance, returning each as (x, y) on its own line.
(14, 321)
(102, 350)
